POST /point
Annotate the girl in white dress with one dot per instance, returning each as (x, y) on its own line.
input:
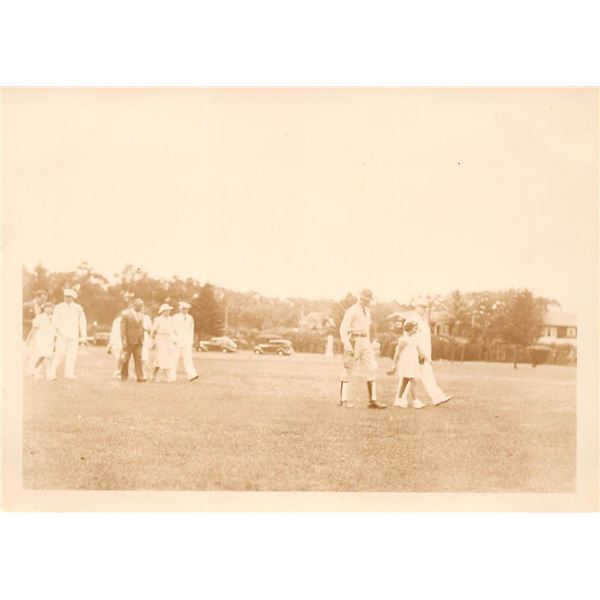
(44, 336)
(406, 362)
(163, 334)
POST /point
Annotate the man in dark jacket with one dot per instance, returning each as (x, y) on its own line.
(132, 336)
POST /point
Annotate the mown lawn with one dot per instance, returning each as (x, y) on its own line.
(272, 423)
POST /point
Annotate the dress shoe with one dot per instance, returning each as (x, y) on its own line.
(345, 404)
(446, 399)
(418, 404)
(194, 377)
(375, 404)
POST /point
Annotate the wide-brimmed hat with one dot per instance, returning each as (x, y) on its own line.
(164, 307)
(366, 294)
(40, 292)
(69, 293)
(183, 304)
(410, 325)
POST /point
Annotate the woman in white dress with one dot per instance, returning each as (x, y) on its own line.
(43, 334)
(148, 343)
(115, 346)
(406, 362)
(163, 334)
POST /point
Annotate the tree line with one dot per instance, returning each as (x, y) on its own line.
(476, 323)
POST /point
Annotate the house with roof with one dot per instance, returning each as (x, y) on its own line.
(439, 320)
(559, 327)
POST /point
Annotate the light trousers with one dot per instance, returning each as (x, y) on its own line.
(188, 364)
(428, 379)
(362, 354)
(65, 349)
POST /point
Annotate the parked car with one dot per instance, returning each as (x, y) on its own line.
(218, 344)
(280, 347)
(101, 338)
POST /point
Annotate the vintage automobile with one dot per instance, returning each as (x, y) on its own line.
(101, 338)
(217, 344)
(275, 346)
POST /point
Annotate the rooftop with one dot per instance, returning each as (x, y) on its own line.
(560, 318)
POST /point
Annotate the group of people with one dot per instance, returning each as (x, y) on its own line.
(134, 334)
(56, 332)
(412, 358)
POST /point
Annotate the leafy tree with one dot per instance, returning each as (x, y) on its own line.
(336, 313)
(458, 308)
(207, 313)
(521, 320)
(40, 279)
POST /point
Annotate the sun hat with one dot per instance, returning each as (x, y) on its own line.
(366, 294)
(410, 325)
(183, 304)
(164, 307)
(69, 293)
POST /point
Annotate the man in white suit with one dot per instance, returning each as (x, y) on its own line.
(423, 336)
(183, 324)
(71, 329)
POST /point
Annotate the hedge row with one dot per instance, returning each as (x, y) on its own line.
(442, 347)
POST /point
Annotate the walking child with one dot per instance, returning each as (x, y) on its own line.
(406, 365)
(42, 337)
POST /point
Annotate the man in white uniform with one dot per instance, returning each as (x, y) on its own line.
(71, 329)
(423, 336)
(183, 324)
(355, 332)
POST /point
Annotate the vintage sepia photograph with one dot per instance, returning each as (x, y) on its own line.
(325, 290)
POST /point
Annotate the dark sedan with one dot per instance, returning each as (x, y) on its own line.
(280, 347)
(218, 344)
(101, 338)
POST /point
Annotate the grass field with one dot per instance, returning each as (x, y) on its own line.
(272, 423)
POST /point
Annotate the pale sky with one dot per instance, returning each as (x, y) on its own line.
(307, 192)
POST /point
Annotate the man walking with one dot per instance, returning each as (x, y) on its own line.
(423, 336)
(71, 329)
(132, 338)
(355, 332)
(183, 324)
